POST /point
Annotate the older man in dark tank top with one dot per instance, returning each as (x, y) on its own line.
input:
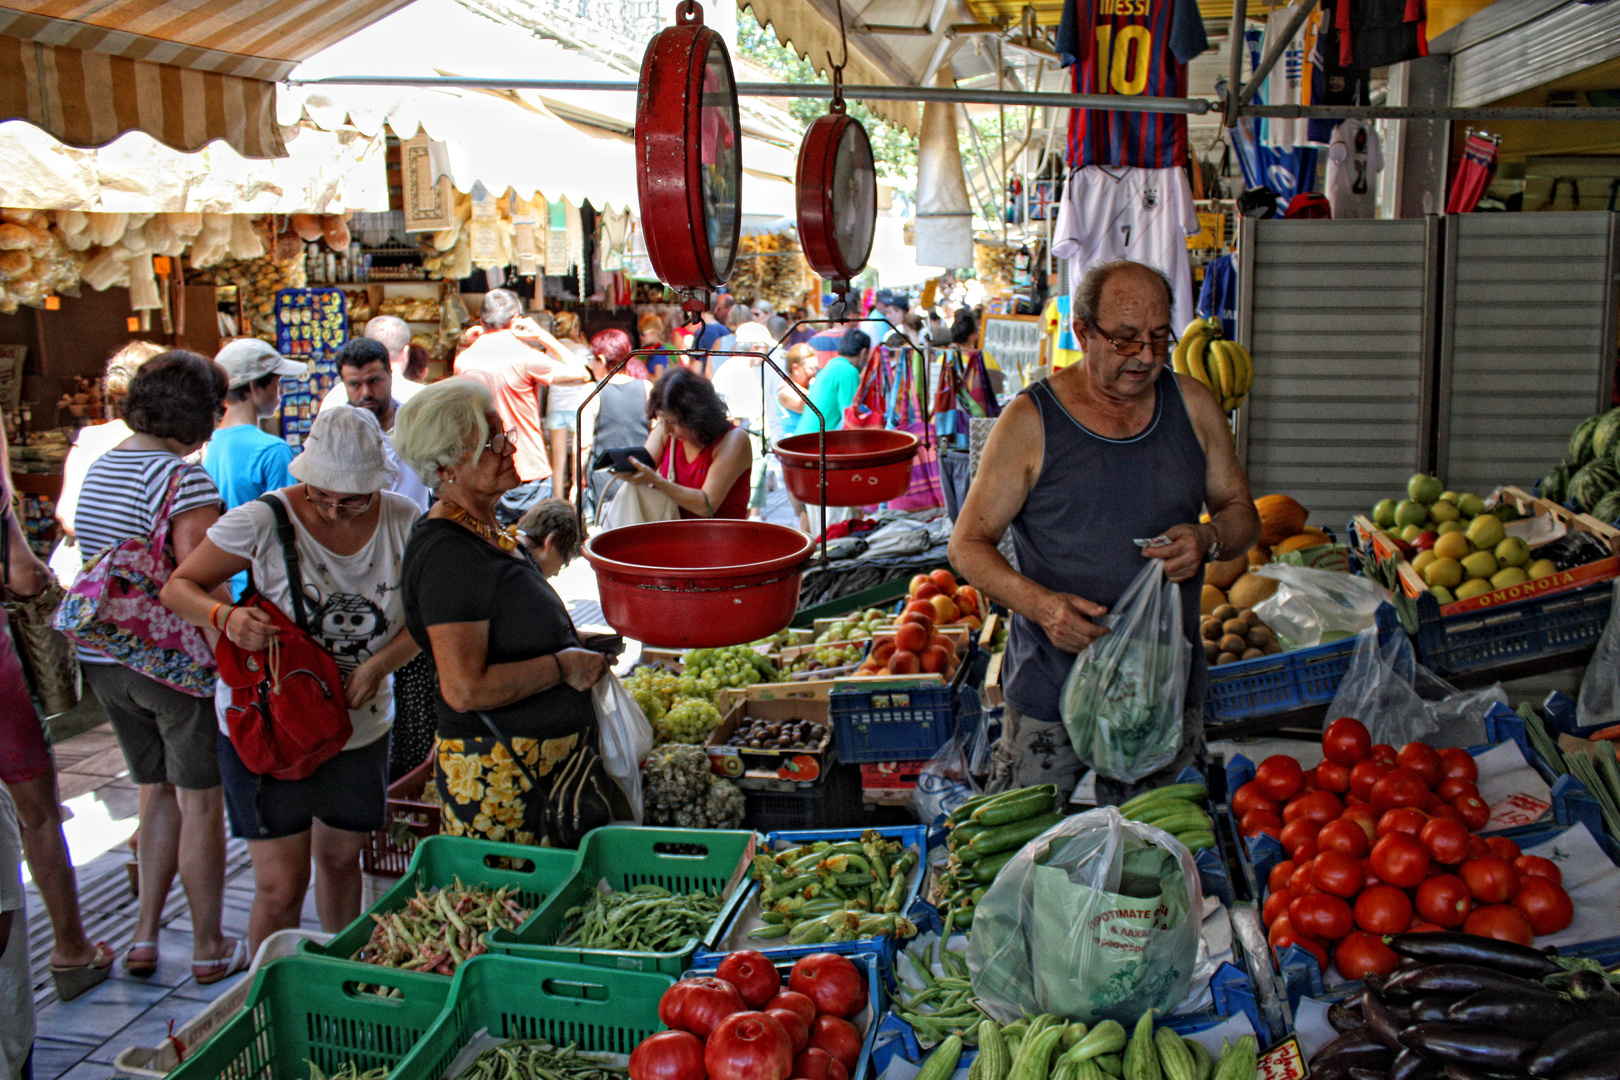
(1108, 451)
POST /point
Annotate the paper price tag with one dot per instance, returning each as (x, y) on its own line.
(1282, 1062)
(1518, 809)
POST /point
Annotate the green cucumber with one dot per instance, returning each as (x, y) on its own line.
(1027, 804)
(1154, 813)
(1238, 1060)
(1015, 835)
(1197, 792)
(1196, 840)
(1185, 821)
(1203, 1060)
(1108, 1037)
(995, 1062)
(1141, 1057)
(941, 1064)
(986, 869)
(1175, 1060)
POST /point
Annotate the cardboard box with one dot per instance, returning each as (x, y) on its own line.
(761, 770)
(1412, 583)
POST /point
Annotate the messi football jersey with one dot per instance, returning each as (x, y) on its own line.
(1131, 48)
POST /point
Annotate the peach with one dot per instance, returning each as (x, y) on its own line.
(944, 581)
(926, 591)
(925, 621)
(943, 642)
(882, 649)
(968, 592)
(935, 659)
(905, 663)
(944, 609)
(965, 607)
(910, 638)
(917, 582)
(921, 607)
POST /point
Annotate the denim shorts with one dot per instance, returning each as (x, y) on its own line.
(349, 791)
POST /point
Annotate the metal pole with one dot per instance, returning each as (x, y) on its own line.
(1234, 41)
(1275, 51)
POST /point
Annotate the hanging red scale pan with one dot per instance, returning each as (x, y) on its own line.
(694, 583)
(837, 203)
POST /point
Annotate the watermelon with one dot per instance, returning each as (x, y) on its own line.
(1608, 507)
(1593, 481)
(1553, 484)
(1580, 443)
(1606, 435)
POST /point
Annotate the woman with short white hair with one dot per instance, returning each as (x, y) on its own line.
(514, 682)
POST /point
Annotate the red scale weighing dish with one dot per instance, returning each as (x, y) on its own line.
(699, 583)
(865, 466)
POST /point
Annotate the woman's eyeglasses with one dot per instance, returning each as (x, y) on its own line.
(501, 442)
(351, 503)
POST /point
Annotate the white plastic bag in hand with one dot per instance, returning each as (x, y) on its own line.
(1309, 603)
(627, 737)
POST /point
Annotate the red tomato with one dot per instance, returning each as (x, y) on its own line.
(1421, 927)
(1545, 904)
(1446, 840)
(1306, 851)
(1400, 860)
(1455, 787)
(1278, 878)
(1251, 797)
(748, 1046)
(698, 1005)
(1501, 845)
(1276, 905)
(1256, 822)
(1304, 879)
(1503, 922)
(1307, 783)
(1404, 819)
(1458, 763)
(1321, 916)
(832, 982)
(1450, 813)
(792, 1023)
(668, 1055)
(1369, 874)
(1337, 874)
(1536, 866)
(1280, 927)
(1363, 816)
(1318, 806)
(1477, 847)
(839, 1038)
(1421, 758)
(1331, 776)
(753, 976)
(1491, 879)
(1398, 787)
(1346, 741)
(1297, 832)
(1343, 836)
(1360, 955)
(1363, 774)
(1474, 811)
(1444, 900)
(814, 1063)
(1309, 944)
(1280, 777)
(798, 1003)
(1383, 909)
(1382, 752)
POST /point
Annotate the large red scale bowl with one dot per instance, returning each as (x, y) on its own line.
(699, 583)
(865, 466)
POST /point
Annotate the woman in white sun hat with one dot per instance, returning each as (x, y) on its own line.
(350, 536)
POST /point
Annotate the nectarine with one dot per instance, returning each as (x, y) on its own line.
(882, 649)
(944, 581)
(921, 607)
(968, 592)
(944, 609)
(925, 591)
(916, 583)
(910, 638)
(905, 663)
(926, 621)
(935, 659)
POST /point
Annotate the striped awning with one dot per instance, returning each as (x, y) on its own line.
(186, 73)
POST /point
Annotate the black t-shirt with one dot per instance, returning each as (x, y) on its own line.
(452, 576)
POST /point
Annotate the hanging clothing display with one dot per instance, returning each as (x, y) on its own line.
(615, 239)
(1062, 348)
(1218, 298)
(1474, 174)
(1285, 170)
(1286, 84)
(1141, 214)
(1327, 81)
(1377, 33)
(1129, 47)
(1354, 159)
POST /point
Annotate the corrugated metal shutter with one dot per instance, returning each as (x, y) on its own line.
(1527, 342)
(1520, 44)
(1340, 318)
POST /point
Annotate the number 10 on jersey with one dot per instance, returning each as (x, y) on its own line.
(1124, 58)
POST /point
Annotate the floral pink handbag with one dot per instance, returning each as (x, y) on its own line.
(113, 608)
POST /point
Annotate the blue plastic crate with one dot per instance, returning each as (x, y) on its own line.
(871, 965)
(1286, 681)
(912, 836)
(1511, 633)
(897, 722)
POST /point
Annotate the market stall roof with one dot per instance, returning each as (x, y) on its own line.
(186, 72)
(563, 145)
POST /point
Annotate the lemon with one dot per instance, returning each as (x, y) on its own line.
(1453, 545)
(1450, 497)
(1480, 565)
(1542, 568)
(1445, 573)
(1421, 561)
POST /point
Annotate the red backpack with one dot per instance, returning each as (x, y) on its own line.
(287, 714)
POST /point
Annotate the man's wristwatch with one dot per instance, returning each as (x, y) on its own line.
(1215, 549)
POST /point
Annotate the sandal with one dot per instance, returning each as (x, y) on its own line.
(75, 979)
(141, 967)
(207, 972)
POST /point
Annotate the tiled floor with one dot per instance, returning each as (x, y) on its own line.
(77, 1040)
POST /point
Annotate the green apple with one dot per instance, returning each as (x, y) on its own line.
(1486, 531)
(1423, 488)
(1384, 513)
(1513, 551)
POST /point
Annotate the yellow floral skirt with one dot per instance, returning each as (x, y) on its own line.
(484, 794)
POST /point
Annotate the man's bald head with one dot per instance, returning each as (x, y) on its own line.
(393, 334)
(1103, 285)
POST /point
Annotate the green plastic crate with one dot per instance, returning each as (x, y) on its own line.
(439, 861)
(307, 1008)
(627, 856)
(595, 1009)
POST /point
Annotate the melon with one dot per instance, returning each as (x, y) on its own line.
(1307, 539)
(1212, 598)
(1580, 443)
(1222, 574)
(1606, 435)
(1249, 590)
(1280, 518)
(1608, 507)
(1553, 485)
(1593, 481)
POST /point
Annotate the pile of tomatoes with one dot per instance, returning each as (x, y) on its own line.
(1381, 841)
(742, 1024)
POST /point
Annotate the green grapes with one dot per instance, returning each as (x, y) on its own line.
(684, 708)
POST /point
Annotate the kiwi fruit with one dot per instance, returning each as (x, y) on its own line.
(1259, 636)
(1271, 648)
(1224, 612)
(1211, 651)
(1250, 617)
(1212, 630)
(1233, 644)
(1235, 626)
(1253, 654)
(1225, 658)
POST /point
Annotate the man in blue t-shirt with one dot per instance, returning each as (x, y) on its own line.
(244, 460)
(833, 389)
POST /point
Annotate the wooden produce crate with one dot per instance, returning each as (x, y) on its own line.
(770, 769)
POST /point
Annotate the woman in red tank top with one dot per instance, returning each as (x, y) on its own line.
(703, 458)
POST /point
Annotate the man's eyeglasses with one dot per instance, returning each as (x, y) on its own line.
(1128, 347)
(501, 442)
(348, 503)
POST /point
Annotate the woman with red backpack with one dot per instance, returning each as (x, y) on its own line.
(306, 768)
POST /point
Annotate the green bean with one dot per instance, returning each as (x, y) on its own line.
(646, 918)
(347, 1071)
(535, 1060)
(439, 929)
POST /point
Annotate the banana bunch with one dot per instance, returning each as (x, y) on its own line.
(1224, 366)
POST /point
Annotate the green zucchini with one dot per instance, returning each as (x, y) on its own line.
(1153, 813)
(941, 1064)
(1175, 1060)
(1088, 1069)
(995, 1062)
(1027, 804)
(1034, 1060)
(1185, 821)
(1196, 840)
(1203, 1060)
(1015, 835)
(1238, 1060)
(1170, 791)
(1111, 1064)
(986, 869)
(1108, 1037)
(1141, 1057)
